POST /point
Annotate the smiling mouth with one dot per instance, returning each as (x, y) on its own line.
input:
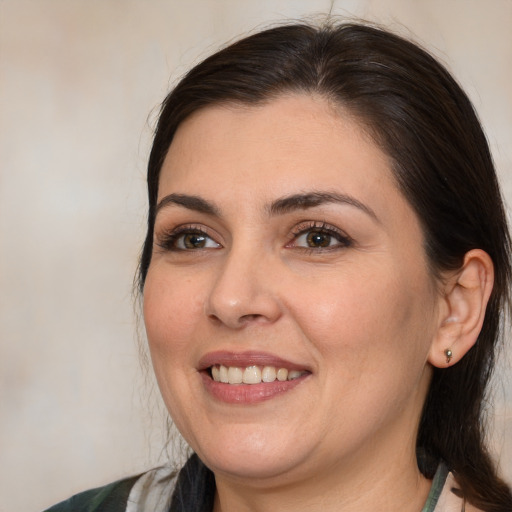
(253, 374)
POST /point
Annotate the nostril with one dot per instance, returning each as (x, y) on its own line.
(214, 318)
(236, 322)
(249, 318)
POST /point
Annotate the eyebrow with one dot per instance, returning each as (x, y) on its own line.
(280, 206)
(195, 203)
(312, 199)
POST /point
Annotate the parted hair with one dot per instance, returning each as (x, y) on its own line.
(420, 117)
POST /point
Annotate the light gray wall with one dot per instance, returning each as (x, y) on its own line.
(78, 79)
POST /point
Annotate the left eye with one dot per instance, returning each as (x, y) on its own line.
(194, 240)
(320, 238)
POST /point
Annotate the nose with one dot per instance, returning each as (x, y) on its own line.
(244, 292)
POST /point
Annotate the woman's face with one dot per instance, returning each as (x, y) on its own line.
(283, 246)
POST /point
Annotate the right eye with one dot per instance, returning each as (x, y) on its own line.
(187, 239)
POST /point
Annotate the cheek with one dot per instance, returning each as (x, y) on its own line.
(171, 312)
(371, 335)
(365, 318)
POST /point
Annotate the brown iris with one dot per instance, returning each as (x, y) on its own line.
(194, 241)
(318, 239)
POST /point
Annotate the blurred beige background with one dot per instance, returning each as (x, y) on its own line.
(78, 81)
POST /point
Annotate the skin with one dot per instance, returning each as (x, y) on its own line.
(360, 316)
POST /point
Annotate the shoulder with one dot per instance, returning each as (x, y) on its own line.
(106, 498)
(150, 491)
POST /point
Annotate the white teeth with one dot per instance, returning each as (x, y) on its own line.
(223, 374)
(235, 375)
(268, 374)
(282, 374)
(252, 374)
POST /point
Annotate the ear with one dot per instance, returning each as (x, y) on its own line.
(462, 309)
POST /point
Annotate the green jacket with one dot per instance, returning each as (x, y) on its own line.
(110, 498)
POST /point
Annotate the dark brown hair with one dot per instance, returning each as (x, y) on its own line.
(421, 118)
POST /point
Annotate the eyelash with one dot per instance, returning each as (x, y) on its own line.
(169, 240)
(321, 228)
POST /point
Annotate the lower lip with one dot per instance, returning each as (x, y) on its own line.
(248, 393)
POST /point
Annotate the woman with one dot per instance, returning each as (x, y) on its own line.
(325, 272)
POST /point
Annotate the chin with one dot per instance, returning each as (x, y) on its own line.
(256, 455)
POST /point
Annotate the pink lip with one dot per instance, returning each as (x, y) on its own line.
(246, 394)
(248, 358)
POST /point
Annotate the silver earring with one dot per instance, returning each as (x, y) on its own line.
(449, 354)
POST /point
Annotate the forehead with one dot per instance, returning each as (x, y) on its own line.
(298, 138)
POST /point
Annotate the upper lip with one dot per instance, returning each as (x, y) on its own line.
(247, 358)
